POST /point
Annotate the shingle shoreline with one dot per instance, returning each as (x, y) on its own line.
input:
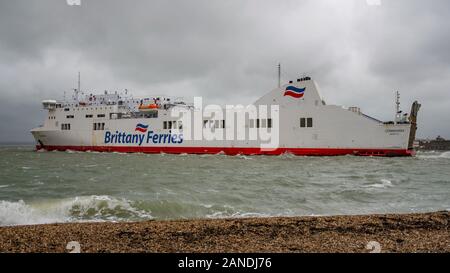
(427, 232)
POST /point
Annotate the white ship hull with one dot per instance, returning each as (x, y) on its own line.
(333, 131)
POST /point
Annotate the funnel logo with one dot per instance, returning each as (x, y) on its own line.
(141, 128)
(295, 92)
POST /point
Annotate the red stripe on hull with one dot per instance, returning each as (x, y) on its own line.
(236, 151)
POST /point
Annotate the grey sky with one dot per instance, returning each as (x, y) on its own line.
(226, 51)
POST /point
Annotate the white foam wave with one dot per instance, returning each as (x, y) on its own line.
(287, 155)
(78, 209)
(93, 152)
(434, 155)
(384, 184)
(244, 157)
(19, 213)
(226, 215)
(119, 153)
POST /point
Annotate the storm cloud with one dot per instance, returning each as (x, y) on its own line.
(227, 52)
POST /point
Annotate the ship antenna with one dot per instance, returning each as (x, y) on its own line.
(279, 75)
(397, 106)
(79, 83)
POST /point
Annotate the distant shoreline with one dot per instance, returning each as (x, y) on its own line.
(426, 232)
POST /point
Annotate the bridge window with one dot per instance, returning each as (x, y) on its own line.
(65, 126)
(89, 116)
(302, 122)
(99, 126)
(309, 122)
(152, 114)
(264, 123)
(306, 122)
(101, 115)
(70, 116)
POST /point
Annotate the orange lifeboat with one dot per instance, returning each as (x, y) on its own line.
(147, 107)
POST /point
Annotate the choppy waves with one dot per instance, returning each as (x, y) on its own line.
(384, 183)
(433, 155)
(89, 208)
(139, 187)
(106, 208)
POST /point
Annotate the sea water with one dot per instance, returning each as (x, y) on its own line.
(56, 187)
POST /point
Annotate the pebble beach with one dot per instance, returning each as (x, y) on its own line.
(404, 233)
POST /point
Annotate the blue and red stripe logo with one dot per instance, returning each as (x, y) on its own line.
(294, 92)
(141, 128)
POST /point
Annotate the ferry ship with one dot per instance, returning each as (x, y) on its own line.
(306, 126)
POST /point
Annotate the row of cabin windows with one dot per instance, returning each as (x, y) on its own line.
(87, 116)
(167, 125)
(87, 108)
(253, 123)
(99, 126)
(65, 126)
(217, 124)
(51, 117)
(153, 114)
(260, 123)
(306, 122)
